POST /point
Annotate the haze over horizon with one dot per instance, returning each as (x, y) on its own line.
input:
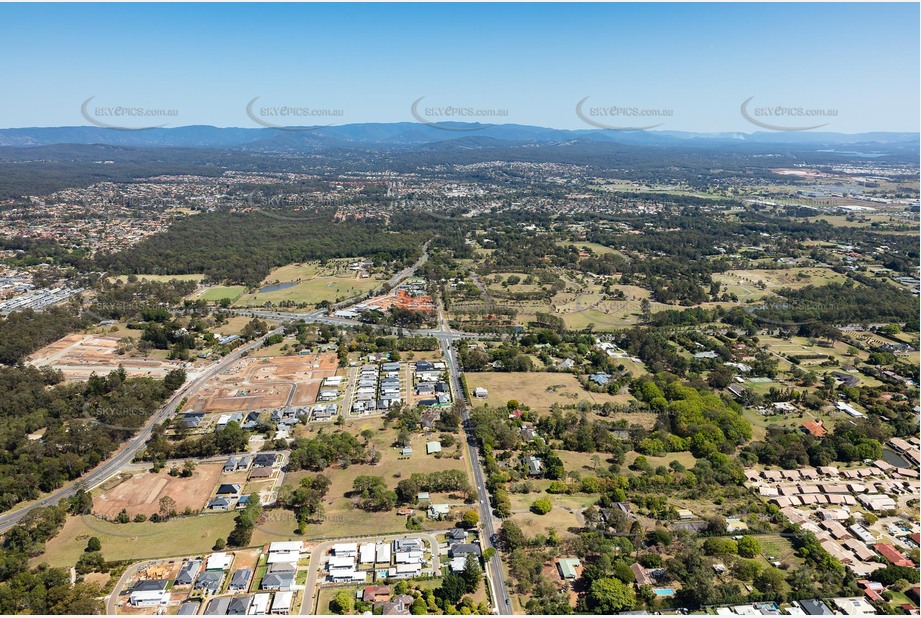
(692, 66)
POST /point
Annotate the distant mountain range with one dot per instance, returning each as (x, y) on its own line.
(421, 136)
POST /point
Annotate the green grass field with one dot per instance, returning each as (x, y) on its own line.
(181, 536)
(219, 292)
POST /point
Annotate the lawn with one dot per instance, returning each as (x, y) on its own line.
(219, 292)
(780, 548)
(536, 389)
(559, 519)
(181, 536)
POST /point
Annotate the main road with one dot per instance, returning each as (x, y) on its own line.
(125, 455)
(495, 574)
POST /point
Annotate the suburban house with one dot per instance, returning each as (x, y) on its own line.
(814, 428)
(462, 549)
(219, 504)
(567, 568)
(265, 460)
(535, 466)
(232, 489)
(282, 580)
(239, 606)
(188, 572)
(438, 511)
(281, 604)
(149, 593)
(218, 606)
(239, 581)
(456, 534)
(209, 582)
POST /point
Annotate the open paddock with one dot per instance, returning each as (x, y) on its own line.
(180, 536)
(141, 493)
(537, 390)
(342, 518)
(757, 283)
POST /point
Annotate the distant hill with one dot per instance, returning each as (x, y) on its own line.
(409, 135)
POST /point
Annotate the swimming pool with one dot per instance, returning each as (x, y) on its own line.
(664, 592)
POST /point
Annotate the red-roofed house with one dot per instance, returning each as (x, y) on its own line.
(814, 428)
(893, 555)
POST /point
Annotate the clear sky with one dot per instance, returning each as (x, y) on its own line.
(537, 61)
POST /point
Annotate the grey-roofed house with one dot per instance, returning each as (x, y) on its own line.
(239, 581)
(189, 608)
(229, 489)
(600, 379)
(150, 585)
(265, 460)
(193, 420)
(462, 549)
(815, 607)
(230, 465)
(278, 581)
(209, 581)
(217, 606)
(456, 534)
(239, 606)
(218, 504)
(188, 572)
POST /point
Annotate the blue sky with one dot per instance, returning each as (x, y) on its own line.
(536, 61)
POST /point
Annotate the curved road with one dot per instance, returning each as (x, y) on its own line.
(126, 453)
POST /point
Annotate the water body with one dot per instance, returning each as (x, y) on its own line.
(852, 153)
(277, 286)
(895, 459)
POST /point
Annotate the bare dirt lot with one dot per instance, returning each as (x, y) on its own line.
(270, 382)
(141, 493)
(78, 355)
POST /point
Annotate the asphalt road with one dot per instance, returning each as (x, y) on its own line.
(494, 566)
(126, 453)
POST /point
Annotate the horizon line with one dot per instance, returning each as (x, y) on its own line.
(459, 123)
